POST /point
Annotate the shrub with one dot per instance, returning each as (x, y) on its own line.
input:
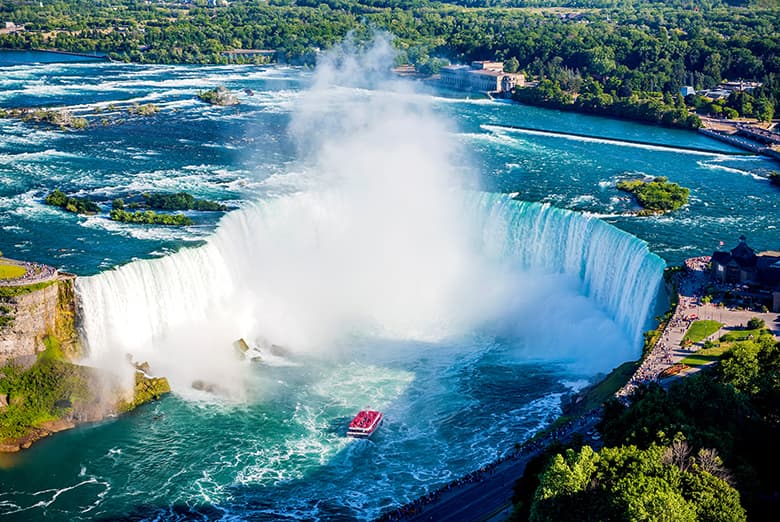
(755, 324)
(658, 195)
(76, 205)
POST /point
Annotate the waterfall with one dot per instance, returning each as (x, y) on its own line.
(615, 268)
(304, 269)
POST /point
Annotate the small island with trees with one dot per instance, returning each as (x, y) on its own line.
(149, 217)
(58, 198)
(62, 119)
(657, 196)
(140, 212)
(218, 96)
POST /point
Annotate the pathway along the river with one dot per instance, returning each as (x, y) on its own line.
(486, 494)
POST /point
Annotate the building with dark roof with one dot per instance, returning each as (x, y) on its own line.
(742, 266)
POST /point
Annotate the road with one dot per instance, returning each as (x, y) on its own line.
(490, 498)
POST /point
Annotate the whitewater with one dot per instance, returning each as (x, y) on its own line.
(386, 250)
(387, 239)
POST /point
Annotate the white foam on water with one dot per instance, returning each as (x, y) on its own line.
(717, 166)
(607, 141)
(45, 155)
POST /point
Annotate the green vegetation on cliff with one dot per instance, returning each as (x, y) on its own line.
(148, 217)
(13, 291)
(594, 396)
(76, 205)
(46, 391)
(658, 195)
(56, 390)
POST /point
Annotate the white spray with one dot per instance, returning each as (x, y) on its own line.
(380, 241)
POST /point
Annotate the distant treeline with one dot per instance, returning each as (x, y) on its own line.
(642, 46)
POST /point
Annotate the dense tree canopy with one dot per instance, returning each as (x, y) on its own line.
(734, 410)
(628, 483)
(721, 458)
(604, 56)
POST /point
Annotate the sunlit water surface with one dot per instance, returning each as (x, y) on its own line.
(278, 452)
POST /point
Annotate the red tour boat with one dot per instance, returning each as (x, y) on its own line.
(364, 424)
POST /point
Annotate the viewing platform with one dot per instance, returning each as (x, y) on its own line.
(23, 273)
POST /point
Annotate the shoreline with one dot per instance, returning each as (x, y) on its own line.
(40, 357)
(485, 484)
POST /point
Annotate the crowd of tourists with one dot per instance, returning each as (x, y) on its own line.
(525, 450)
(690, 285)
(690, 289)
(35, 273)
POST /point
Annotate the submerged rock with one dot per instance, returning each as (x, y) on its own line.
(208, 387)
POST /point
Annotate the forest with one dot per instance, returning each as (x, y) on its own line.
(627, 59)
(699, 450)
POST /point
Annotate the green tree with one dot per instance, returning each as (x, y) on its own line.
(511, 65)
(628, 483)
(764, 109)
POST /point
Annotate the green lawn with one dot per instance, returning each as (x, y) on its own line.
(706, 356)
(741, 335)
(700, 330)
(9, 271)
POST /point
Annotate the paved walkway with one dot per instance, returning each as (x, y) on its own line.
(668, 351)
(486, 494)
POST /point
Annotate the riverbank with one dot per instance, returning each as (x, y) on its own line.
(44, 389)
(744, 143)
(669, 350)
(486, 494)
(11, 57)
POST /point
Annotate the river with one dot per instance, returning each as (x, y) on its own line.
(375, 236)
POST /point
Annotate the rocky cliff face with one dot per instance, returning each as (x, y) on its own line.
(43, 388)
(34, 312)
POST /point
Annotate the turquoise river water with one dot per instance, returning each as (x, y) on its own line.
(406, 251)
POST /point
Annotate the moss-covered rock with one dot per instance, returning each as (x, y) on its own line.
(147, 389)
(42, 389)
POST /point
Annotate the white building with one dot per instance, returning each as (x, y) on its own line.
(481, 76)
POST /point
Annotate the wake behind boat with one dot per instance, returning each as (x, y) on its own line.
(364, 424)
